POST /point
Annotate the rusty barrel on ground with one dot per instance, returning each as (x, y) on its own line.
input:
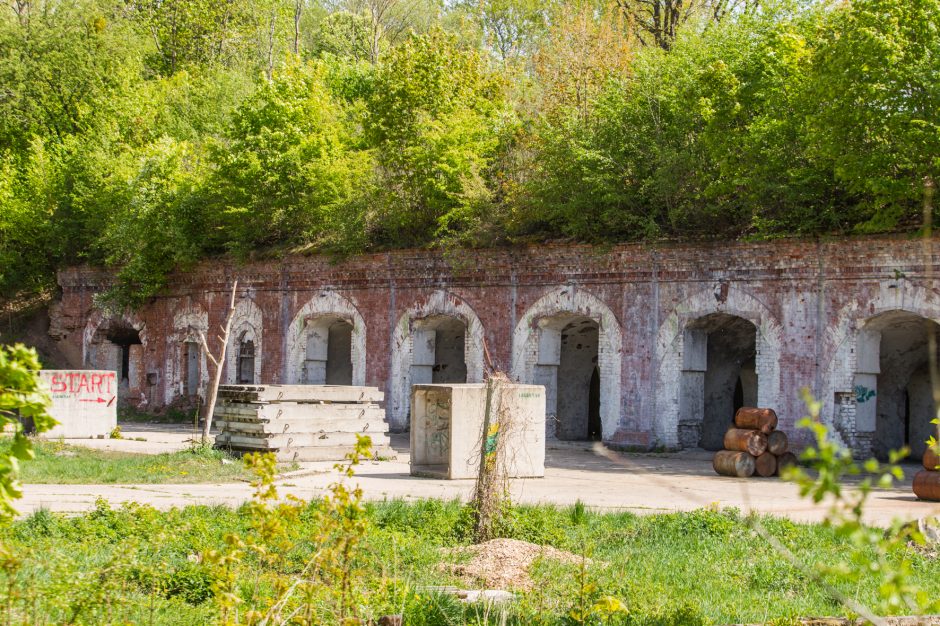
(927, 485)
(731, 463)
(753, 442)
(931, 459)
(765, 465)
(777, 442)
(786, 460)
(764, 420)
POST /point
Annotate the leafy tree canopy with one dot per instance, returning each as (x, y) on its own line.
(146, 136)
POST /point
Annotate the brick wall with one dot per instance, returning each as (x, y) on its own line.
(807, 299)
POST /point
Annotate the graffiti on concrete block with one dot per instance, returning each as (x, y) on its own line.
(84, 402)
(95, 387)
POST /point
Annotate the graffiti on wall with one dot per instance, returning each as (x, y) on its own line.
(863, 394)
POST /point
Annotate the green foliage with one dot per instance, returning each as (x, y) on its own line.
(22, 398)
(154, 568)
(287, 170)
(434, 114)
(871, 552)
(149, 136)
(875, 102)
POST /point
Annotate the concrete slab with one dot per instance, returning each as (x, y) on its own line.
(641, 483)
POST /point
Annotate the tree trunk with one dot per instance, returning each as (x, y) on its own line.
(219, 362)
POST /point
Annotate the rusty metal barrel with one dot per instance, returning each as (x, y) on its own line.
(927, 485)
(765, 465)
(730, 463)
(931, 459)
(764, 420)
(777, 442)
(753, 442)
(786, 460)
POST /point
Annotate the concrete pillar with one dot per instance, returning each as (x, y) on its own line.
(423, 351)
(866, 380)
(692, 387)
(135, 369)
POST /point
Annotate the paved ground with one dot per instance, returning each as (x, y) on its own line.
(631, 482)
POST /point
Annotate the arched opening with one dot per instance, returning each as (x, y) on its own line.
(568, 368)
(246, 360)
(718, 377)
(439, 350)
(537, 356)
(893, 394)
(116, 345)
(328, 359)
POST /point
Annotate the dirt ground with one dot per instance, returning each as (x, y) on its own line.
(642, 483)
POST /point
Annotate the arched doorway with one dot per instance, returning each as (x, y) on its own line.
(326, 343)
(328, 357)
(570, 342)
(439, 351)
(245, 351)
(718, 377)
(438, 340)
(117, 344)
(893, 394)
(567, 367)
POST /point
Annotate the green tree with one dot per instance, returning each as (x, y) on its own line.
(876, 104)
(21, 398)
(342, 34)
(435, 115)
(289, 167)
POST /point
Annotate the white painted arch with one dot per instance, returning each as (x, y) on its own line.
(328, 303)
(247, 325)
(854, 336)
(439, 303)
(670, 345)
(190, 324)
(570, 301)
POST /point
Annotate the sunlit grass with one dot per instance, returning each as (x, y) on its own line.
(59, 463)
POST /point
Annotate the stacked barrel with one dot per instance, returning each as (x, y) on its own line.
(753, 445)
(927, 481)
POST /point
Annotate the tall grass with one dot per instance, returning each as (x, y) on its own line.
(139, 565)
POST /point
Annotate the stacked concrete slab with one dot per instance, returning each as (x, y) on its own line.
(447, 430)
(300, 422)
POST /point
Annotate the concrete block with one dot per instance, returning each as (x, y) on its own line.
(447, 430)
(84, 402)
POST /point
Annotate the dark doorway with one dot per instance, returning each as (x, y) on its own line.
(594, 406)
(578, 381)
(719, 376)
(123, 337)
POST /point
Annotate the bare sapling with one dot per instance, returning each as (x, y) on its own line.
(217, 362)
(491, 494)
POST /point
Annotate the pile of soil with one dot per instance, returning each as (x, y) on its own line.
(504, 563)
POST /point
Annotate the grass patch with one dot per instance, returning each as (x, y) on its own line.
(59, 463)
(137, 565)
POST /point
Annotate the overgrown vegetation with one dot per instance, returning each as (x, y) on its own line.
(142, 566)
(149, 135)
(23, 401)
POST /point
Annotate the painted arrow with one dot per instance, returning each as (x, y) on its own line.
(99, 400)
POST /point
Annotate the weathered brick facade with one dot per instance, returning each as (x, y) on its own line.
(807, 300)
